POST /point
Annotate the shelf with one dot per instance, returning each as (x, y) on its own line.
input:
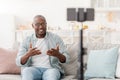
(112, 4)
(68, 36)
(107, 9)
(29, 30)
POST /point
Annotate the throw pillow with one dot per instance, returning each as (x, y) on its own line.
(102, 63)
(7, 62)
(72, 67)
(118, 67)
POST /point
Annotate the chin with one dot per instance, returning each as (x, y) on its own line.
(40, 32)
(43, 33)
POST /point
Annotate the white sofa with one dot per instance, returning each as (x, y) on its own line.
(70, 69)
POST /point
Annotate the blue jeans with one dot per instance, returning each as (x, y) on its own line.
(36, 73)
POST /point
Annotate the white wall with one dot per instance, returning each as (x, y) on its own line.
(53, 10)
(25, 10)
(7, 31)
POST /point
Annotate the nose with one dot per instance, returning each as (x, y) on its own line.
(40, 26)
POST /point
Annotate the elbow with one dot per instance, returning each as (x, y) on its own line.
(17, 62)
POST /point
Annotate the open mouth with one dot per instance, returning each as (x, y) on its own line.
(41, 31)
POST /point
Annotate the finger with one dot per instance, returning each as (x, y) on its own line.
(38, 52)
(48, 51)
(57, 47)
(30, 46)
(52, 49)
(50, 54)
(34, 48)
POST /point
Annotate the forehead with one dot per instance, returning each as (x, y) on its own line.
(39, 20)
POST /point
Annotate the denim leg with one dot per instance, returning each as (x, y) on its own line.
(51, 74)
(31, 73)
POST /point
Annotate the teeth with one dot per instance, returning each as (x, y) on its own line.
(40, 30)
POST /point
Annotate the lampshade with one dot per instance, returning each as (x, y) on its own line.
(71, 14)
(90, 14)
(81, 15)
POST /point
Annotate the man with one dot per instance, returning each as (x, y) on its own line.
(42, 53)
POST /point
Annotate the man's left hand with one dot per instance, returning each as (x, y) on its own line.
(53, 52)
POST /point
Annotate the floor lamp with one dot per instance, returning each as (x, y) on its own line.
(80, 15)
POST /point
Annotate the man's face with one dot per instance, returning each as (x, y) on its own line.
(39, 26)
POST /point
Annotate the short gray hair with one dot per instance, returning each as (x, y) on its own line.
(41, 16)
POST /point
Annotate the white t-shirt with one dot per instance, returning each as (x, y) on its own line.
(41, 60)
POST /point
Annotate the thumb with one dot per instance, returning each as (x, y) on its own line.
(30, 46)
(57, 47)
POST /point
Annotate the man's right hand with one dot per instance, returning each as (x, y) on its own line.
(33, 51)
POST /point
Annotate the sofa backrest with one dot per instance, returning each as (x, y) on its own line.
(72, 67)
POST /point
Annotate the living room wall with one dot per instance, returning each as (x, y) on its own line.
(53, 10)
(23, 12)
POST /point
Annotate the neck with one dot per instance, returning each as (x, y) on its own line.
(40, 35)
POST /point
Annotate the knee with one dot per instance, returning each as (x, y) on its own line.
(31, 73)
(28, 71)
(51, 74)
(53, 71)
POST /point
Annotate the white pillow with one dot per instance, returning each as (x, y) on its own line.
(102, 63)
(72, 67)
(118, 66)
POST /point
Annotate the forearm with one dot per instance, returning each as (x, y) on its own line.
(61, 58)
(24, 59)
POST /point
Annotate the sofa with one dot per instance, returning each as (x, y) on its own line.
(103, 61)
(10, 71)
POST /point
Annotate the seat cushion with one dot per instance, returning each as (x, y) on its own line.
(18, 77)
(9, 77)
(103, 79)
(70, 77)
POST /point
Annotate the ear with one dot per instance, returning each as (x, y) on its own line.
(32, 25)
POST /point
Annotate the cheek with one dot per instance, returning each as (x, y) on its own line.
(45, 28)
(36, 30)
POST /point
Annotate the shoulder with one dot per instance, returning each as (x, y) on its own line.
(25, 43)
(30, 37)
(53, 35)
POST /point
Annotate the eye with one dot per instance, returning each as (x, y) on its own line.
(40, 24)
(37, 24)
